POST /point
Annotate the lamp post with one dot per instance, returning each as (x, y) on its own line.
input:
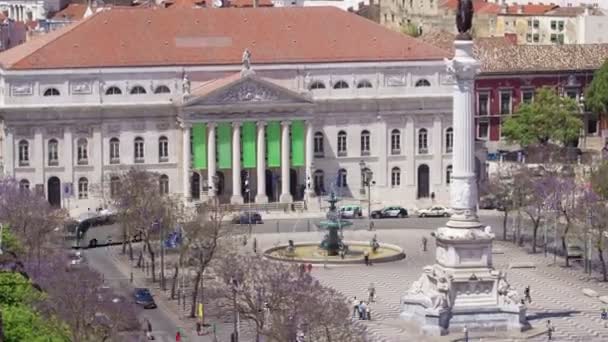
(162, 254)
(248, 192)
(367, 175)
(235, 312)
(581, 106)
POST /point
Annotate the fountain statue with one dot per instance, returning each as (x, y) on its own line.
(334, 224)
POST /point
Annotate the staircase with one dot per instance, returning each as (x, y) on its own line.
(297, 206)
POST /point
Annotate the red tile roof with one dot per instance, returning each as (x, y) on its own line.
(207, 36)
(71, 12)
(479, 6)
(249, 3)
(530, 9)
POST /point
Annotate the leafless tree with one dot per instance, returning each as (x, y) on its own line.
(281, 300)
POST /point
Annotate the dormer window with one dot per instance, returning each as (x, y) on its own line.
(51, 92)
(316, 85)
(163, 89)
(113, 90)
(364, 84)
(137, 90)
(341, 85)
(423, 83)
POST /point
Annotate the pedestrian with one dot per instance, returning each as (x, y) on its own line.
(244, 240)
(465, 331)
(255, 245)
(368, 313)
(309, 268)
(372, 293)
(550, 330)
(366, 257)
(178, 336)
(527, 294)
(149, 330)
(424, 241)
(604, 317)
(362, 310)
(355, 306)
(371, 225)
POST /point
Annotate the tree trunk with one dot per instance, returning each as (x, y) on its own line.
(197, 280)
(564, 245)
(140, 259)
(174, 281)
(600, 253)
(152, 261)
(505, 219)
(130, 243)
(534, 234)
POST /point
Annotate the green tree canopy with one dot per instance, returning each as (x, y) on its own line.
(549, 117)
(596, 97)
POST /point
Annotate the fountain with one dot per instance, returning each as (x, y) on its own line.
(333, 249)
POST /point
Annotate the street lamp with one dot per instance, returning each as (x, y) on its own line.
(248, 192)
(366, 175)
(581, 106)
(234, 282)
(158, 224)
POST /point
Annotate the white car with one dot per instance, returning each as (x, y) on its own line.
(434, 211)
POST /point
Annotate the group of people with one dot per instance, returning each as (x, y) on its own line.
(362, 309)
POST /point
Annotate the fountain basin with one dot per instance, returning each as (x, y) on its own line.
(312, 253)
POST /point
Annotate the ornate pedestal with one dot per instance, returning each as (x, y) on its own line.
(462, 288)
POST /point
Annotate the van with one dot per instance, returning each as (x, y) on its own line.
(351, 211)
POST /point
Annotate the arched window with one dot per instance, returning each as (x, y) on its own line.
(83, 151)
(163, 149)
(51, 92)
(113, 90)
(138, 149)
(138, 90)
(163, 183)
(341, 85)
(24, 184)
(318, 144)
(395, 141)
(365, 143)
(162, 89)
(83, 188)
(364, 84)
(423, 83)
(53, 152)
(341, 144)
(448, 174)
(114, 151)
(423, 141)
(319, 179)
(449, 140)
(395, 177)
(24, 153)
(342, 178)
(114, 186)
(316, 85)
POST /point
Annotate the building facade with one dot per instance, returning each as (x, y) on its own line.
(295, 116)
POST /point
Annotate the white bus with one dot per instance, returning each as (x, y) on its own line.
(94, 229)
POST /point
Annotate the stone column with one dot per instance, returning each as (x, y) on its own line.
(9, 152)
(463, 190)
(285, 194)
(97, 155)
(236, 198)
(68, 155)
(261, 196)
(437, 148)
(309, 192)
(211, 165)
(408, 144)
(187, 160)
(38, 159)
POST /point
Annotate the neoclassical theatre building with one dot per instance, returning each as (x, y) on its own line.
(291, 101)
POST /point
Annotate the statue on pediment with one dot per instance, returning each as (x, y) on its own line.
(246, 60)
(186, 85)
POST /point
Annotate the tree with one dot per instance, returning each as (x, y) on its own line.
(549, 117)
(501, 187)
(599, 180)
(535, 187)
(596, 95)
(281, 300)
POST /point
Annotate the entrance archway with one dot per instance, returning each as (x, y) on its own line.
(423, 181)
(54, 192)
(319, 182)
(195, 191)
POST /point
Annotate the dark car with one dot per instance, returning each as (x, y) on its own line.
(144, 298)
(390, 212)
(248, 217)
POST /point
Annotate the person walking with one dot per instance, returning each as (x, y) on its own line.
(362, 310)
(465, 331)
(550, 330)
(366, 257)
(604, 317)
(355, 306)
(178, 336)
(527, 294)
(424, 242)
(372, 293)
(148, 330)
(368, 312)
(255, 245)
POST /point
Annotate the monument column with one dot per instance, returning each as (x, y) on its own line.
(308, 193)
(237, 197)
(187, 160)
(211, 169)
(285, 194)
(261, 196)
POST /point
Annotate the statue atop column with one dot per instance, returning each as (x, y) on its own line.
(246, 60)
(464, 19)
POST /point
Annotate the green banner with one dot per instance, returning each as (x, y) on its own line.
(249, 131)
(273, 143)
(199, 146)
(224, 148)
(297, 143)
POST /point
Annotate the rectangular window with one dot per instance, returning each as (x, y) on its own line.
(529, 37)
(527, 96)
(553, 38)
(341, 144)
(83, 155)
(319, 149)
(536, 24)
(24, 154)
(560, 25)
(483, 104)
(483, 128)
(114, 152)
(505, 102)
(560, 39)
(529, 22)
(553, 25)
(163, 150)
(536, 38)
(139, 151)
(365, 150)
(395, 143)
(53, 154)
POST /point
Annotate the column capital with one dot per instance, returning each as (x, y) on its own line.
(261, 123)
(236, 124)
(211, 124)
(285, 123)
(185, 125)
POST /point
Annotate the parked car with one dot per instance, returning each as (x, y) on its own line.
(75, 260)
(246, 217)
(144, 298)
(390, 212)
(434, 211)
(487, 202)
(351, 211)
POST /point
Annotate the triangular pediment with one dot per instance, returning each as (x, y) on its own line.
(247, 90)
